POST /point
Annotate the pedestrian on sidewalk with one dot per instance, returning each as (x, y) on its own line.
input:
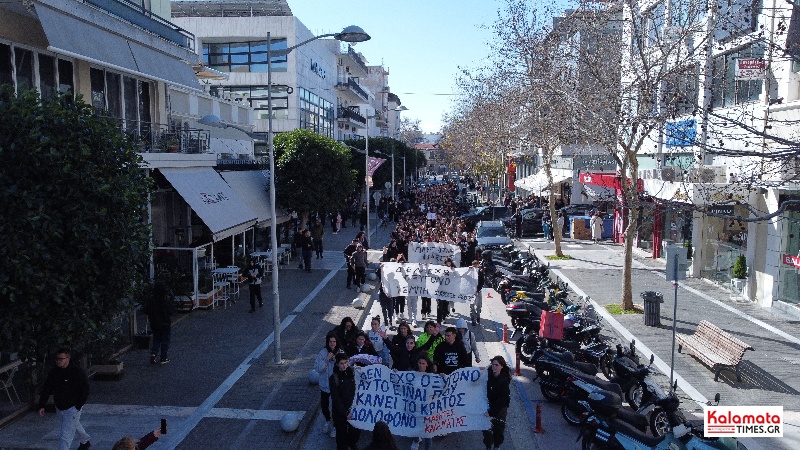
(324, 364)
(317, 232)
(360, 263)
(159, 313)
(498, 392)
(476, 306)
(307, 249)
(547, 226)
(348, 261)
(343, 390)
(69, 387)
(363, 217)
(254, 274)
(127, 443)
(596, 224)
(338, 222)
(469, 341)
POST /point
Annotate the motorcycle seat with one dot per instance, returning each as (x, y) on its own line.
(587, 368)
(632, 418)
(604, 385)
(628, 430)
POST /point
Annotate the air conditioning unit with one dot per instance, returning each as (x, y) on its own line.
(669, 174)
(708, 174)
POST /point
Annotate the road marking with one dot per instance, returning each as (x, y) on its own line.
(186, 411)
(182, 430)
(658, 362)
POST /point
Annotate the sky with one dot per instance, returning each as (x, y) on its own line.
(422, 43)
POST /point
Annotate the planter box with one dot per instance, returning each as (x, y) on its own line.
(738, 284)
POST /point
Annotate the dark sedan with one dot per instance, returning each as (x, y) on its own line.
(531, 222)
(485, 213)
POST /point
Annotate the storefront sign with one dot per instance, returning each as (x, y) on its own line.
(720, 210)
(750, 68)
(789, 260)
(317, 69)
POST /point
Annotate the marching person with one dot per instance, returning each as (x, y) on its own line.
(317, 232)
(450, 354)
(307, 247)
(475, 306)
(348, 260)
(324, 365)
(469, 341)
(254, 274)
(343, 390)
(360, 263)
(498, 392)
(69, 387)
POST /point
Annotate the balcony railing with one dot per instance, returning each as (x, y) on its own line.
(349, 113)
(161, 138)
(357, 58)
(144, 18)
(355, 87)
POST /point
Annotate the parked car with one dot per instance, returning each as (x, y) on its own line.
(531, 222)
(485, 213)
(492, 234)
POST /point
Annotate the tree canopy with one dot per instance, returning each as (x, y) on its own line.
(313, 172)
(74, 225)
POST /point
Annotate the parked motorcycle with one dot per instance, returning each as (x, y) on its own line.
(554, 369)
(602, 428)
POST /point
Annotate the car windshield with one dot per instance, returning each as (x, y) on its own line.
(486, 232)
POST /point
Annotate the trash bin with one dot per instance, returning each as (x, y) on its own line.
(652, 308)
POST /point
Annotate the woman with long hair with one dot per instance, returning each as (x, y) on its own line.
(498, 392)
(324, 363)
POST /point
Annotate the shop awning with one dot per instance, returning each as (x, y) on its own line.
(534, 183)
(223, 211)
(70, 36)
(557, 182)
(251, 185)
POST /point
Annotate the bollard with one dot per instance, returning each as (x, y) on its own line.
(517, 371)
(538, 428)
(505, 334)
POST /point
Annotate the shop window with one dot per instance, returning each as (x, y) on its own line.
(727, 89)
(723, 240)
(66, 83)
(23, 62)
(47, 77)
(6, 66)
(789, 269)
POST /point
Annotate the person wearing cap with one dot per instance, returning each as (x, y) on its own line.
(469, 341)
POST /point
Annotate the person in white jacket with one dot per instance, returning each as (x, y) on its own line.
(468, 338)
(326, 358)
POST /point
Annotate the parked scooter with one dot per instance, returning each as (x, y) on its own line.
(603, 429)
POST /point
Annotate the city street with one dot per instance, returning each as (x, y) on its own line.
(223, 390)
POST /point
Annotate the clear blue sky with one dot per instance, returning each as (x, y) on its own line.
(421, 42)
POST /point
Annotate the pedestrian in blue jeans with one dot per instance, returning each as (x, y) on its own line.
(159, 313)
(69, 387)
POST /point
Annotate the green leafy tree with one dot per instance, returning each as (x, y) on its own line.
(74, 224)
(313, 172)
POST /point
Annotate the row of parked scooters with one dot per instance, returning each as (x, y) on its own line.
(567, 368)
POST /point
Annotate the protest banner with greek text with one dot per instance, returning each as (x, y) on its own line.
(419, 404)
(433, 252)
(430, 280)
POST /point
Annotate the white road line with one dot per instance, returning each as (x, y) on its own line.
(204, 410)
(185, 411)
(658, 362)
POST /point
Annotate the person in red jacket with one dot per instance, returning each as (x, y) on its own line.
(69, 387)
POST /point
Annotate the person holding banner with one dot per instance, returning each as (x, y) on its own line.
(377, 335)
(324, 366)
(343, 390)
(498, 392)
(423, 364)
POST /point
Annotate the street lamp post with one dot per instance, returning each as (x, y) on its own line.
(399, 109)
(348, 34)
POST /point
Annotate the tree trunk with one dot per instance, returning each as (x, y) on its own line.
(627, 285)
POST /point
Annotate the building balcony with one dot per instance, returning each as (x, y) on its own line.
(352, 85)
(161, 138)
(134, 13)
(352, 116)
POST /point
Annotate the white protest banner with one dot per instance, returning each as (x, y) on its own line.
(418, 404)
(433, 253)
(429, 280)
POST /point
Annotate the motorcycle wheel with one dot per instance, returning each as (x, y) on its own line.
(607, 366)
(634, 396)
(659, 423)
(571, 415)
(550, 394)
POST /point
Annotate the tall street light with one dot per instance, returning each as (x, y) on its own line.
(349, 34)
(399, 109)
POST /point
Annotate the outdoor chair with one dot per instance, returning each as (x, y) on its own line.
(221, 289)
(7, 381)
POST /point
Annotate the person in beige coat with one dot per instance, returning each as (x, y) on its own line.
(596, 225)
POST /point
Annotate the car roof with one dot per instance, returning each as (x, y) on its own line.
(491, 223)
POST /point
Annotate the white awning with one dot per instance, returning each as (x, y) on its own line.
(251, 185)
(70, 36)
(534, 183)
(220, 208)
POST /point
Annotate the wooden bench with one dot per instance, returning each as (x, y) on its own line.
(714, 348)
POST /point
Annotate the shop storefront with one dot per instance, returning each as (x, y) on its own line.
(723, 239)
(789, 269)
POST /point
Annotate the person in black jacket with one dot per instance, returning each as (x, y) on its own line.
(498, 392)
(450, 354)
(343, 391)
(69, 387)
(159, 313)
